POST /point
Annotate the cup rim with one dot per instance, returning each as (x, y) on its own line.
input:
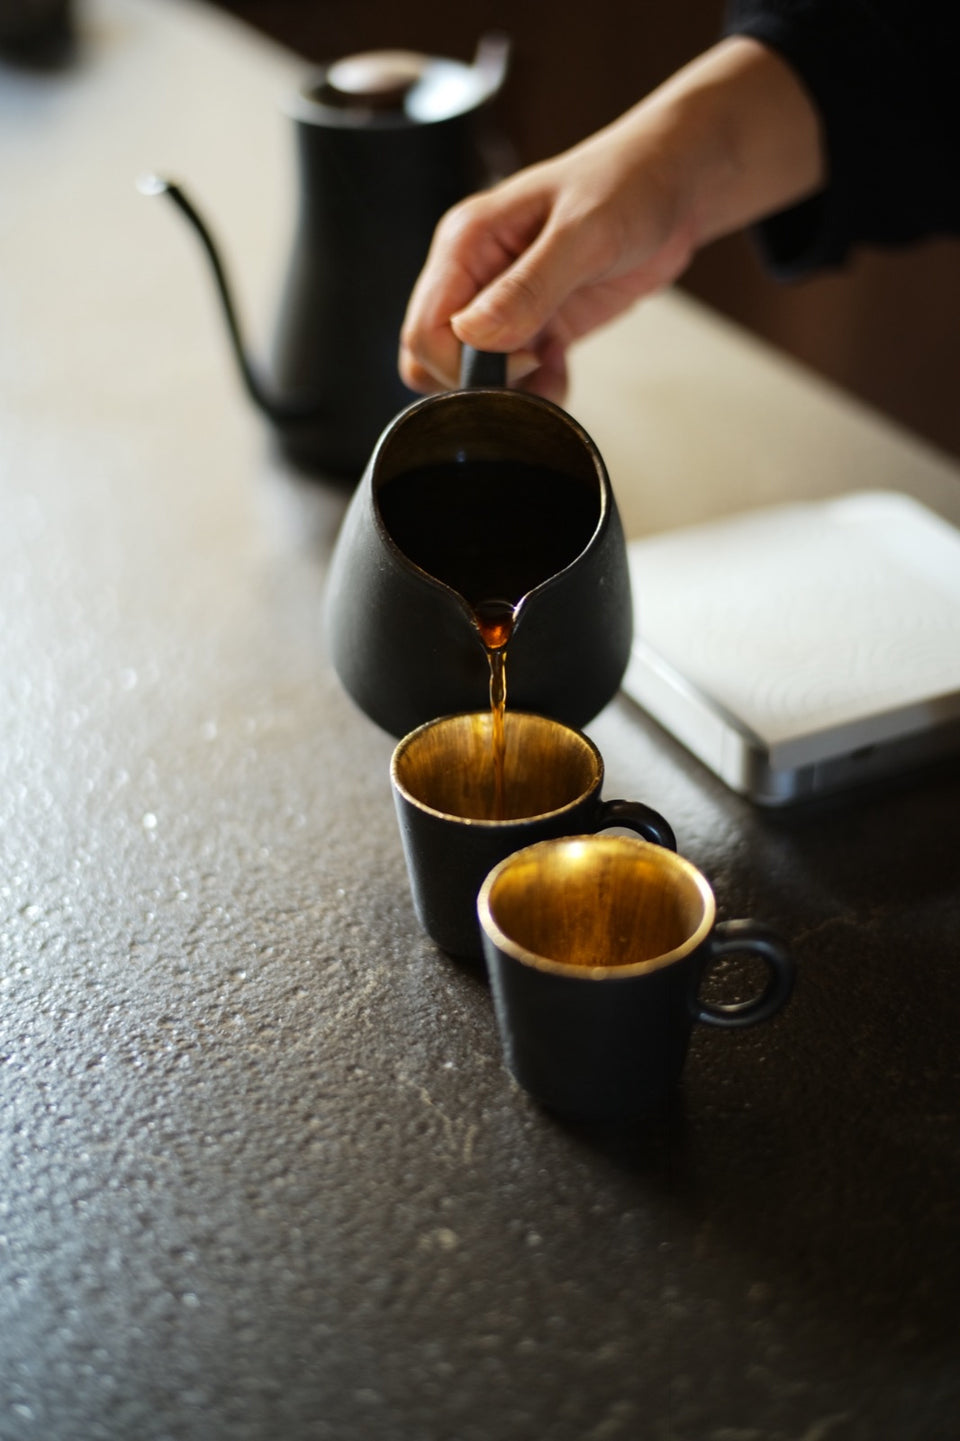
(668, 859)
(481, 822)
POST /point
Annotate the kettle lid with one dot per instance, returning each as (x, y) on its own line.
(407, 86)
(375, 77)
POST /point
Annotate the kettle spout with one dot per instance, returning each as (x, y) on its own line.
(281, 412)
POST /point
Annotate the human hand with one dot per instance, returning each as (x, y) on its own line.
(528, 267)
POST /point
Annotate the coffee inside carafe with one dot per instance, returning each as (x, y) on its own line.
(490, 529)
(493, 531)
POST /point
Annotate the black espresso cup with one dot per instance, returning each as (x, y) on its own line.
(453, 829)
(595, 948)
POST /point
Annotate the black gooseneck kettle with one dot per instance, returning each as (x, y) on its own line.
(386, 142)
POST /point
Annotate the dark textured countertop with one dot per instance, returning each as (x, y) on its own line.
(262, 1174)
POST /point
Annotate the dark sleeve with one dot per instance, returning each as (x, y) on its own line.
(885, 77)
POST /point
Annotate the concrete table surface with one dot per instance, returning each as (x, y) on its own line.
(262, 1174)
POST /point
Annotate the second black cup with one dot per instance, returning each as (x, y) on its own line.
(596, 947)
(454, 828)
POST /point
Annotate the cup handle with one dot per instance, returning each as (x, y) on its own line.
(482, 369)
(734, 938)
(635, 816)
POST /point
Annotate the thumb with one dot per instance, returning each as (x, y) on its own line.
(510, 312)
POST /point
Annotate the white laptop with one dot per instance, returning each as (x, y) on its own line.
(803, 648)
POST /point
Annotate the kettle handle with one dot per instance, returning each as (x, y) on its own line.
(482, 369)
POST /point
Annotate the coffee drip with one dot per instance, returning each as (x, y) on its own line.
(495, 620)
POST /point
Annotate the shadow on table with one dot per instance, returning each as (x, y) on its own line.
(894, 842)
(821, 1152)
(832, 1205)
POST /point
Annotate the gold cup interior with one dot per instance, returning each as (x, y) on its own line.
(596, 903)
(448, 766)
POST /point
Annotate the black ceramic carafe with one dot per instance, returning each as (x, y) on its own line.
(386, 142)
(404, 641)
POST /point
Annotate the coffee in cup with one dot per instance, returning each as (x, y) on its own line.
(458, 818)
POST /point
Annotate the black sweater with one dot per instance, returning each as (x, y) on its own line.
(885, 77)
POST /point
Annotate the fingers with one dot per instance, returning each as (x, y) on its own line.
(426, 382)
(501, 269)
(525, 370)
(520, 303)
(474, 243)
(549, 379)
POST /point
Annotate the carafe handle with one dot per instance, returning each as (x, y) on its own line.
(482, 369)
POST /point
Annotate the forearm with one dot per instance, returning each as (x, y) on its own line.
(738, 134)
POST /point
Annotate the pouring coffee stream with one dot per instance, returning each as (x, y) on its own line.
(495, 621)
